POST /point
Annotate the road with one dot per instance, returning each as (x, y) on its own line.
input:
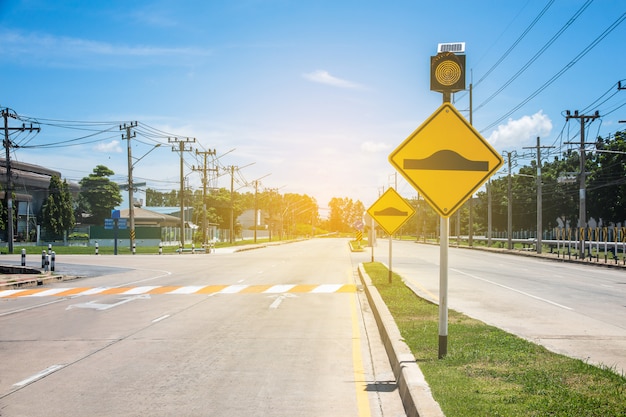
(576, 310)
(278, 331)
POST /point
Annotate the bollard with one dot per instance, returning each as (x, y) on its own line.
(52, 258)
(97, 248)
(46, 262)
(23, 257)
(193, 248)
(160, 248)
(49, 248)
(180, 249)
(43, 258)
(134, 248)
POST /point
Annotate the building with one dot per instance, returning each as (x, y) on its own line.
(30, 188)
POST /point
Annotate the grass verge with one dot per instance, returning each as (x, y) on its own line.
(489, 372)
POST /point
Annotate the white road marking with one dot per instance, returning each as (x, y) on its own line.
(39, 375)
(187, 290)
(513, 289)
(160, 318)
(233, 289)
(327, 288)
(279, 299)
(277, 289)
(102, 307)
(49, 292)
(140, 290)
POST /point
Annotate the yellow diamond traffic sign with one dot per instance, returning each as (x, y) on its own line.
(391, 211)
(446, 160)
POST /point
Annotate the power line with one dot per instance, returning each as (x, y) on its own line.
(517, 41)
(8, 144)
(589, 47)
(536, 56)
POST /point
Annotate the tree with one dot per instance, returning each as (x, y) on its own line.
(57, 211)
(99, 195)
(156, 198)
(606, 186)
(344, 213)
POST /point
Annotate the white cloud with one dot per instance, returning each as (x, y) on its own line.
(374, 147)
(113, 146)
(324, 77)
(521, 132)
(72, 52)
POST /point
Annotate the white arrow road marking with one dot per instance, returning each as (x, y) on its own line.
(279, 299)
(99, 306)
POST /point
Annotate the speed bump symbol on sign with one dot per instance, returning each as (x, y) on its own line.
(391, 211)
(446, 160)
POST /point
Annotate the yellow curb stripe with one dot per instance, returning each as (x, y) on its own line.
(347, 288)
(255, 289)
(72, 291)
(25, 293)
(162, 290)
(118, 290)
(303, 288)
(210, 289)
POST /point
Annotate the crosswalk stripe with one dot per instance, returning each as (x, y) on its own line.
(181, 290)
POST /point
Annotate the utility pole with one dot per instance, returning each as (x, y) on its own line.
(131, 186)
(509, 221)
(205, 170)
(539, 193)
(182, 148)
(232, 204)
(619, 88)
(6, 114)
(256, 205)
(582, 208)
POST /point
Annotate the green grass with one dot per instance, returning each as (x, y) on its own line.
(489, 372)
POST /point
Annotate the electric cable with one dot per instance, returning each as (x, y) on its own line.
(569, 65)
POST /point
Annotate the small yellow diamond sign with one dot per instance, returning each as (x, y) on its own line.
(446, 160)
(391, 211)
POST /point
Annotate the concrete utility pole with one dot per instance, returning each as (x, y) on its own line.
(231, 238)
(131, 186)
(582, 207)
(539, 193)
(619, 87)
(182, 148)
(6, 114)
(509, 220)
(205, 178)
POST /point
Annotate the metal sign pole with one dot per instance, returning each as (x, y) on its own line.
(443, 286)
(390, 268)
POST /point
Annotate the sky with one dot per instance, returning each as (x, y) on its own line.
(306, 97)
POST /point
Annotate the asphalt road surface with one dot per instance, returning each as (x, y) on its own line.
(278, 331)
(577, 310)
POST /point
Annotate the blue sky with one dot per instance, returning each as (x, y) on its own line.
(309, 96)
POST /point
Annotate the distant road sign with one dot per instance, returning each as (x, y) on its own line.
(122, 224)
(446, 160)
(108, 224)
(391, 211)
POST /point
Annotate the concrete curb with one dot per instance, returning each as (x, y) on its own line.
(413, 388)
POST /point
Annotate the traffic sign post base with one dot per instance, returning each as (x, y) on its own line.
(443, 346)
